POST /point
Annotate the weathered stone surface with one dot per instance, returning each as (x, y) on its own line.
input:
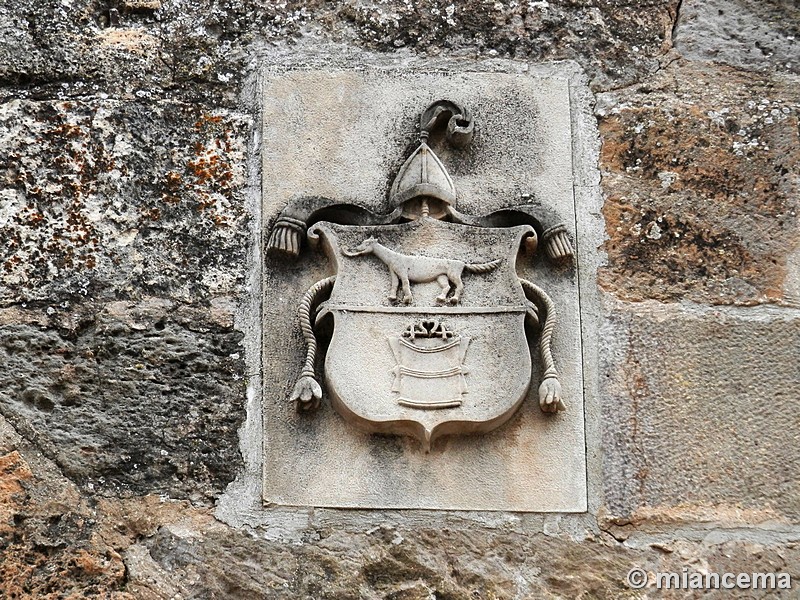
(743, 33)
(83, 47)
(616, 44)
(105, 199)
(700, 418)
(128, 398)
(135, 47)
(394, 563)
(701, 170)
(47, 547)
(385, 562)
(55, 544)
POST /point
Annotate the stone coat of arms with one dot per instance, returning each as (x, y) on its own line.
(431, 322)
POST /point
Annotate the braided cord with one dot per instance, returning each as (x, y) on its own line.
(308, 305)
(533, 292)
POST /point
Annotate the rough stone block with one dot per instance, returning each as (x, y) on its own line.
(744, 33)
(202, 46)
(57, 543)
(46, 526)
(700, 413)
(702, 188)
(132, 399)
(105, 199)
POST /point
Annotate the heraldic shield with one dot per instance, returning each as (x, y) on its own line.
(428, 335)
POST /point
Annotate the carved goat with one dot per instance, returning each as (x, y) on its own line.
(405, 269)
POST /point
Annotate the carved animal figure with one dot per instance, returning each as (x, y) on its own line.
(405, 269)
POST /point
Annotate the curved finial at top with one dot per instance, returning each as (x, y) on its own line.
(460, 124)
(423, 178)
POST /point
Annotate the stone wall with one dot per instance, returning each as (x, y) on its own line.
(129, 182)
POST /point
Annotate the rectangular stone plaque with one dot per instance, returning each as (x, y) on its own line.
(344, 136)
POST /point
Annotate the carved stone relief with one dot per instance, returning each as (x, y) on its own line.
(421, 319)
(400, 277)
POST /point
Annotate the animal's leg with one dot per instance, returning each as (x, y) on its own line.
(443, 281)
(455, 277)
(395, 283)
(407, 297)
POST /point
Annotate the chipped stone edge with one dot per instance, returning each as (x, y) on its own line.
(242, 496)
(590, 231)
